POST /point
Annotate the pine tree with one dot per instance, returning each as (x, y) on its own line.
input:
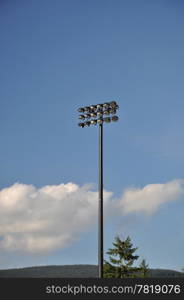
(121, 259)
(144, 268)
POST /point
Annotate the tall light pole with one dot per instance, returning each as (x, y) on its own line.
(93, 115)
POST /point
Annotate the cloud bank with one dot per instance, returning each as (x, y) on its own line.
(43, 219)
(37, 220)
(149, 198)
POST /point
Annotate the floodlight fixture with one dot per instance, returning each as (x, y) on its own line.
(99, 121)
(93, 107)
(93, 122)
(81, 109)
(94, 114)
(87, 109)
(81, 117)
(99, 107)
(87, 123)
(106, 112)
(112, 111)
(106, 105)
(107, 119)
(115, 118)
(99, 113)
(81, 125)
(87, 116)
(113, 103)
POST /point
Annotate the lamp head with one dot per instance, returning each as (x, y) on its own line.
(115, 118)
(81, 125)
(107, 119)
(93, 114)
(93, 107)
(81, 109)
(100, 121)
(99, 113)
(107, 112)
(87, 109)
(93, 122)
(81, 117)
(87, 116)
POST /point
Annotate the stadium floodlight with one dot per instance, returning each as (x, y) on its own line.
(94, 122)
(87, 116)
(113, 111)
(107, 119)
(115, 118)
(97, 112)
(81, 125)
(81, 109)
(99, 121)
(107, 112)
(93, 107)
(113, 103)
(99, 106)
(106, 105)
(87, 123)
(94, 114)
(81, 117)
(87, 109)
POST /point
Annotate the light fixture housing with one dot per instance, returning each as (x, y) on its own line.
(93, 114)
(81, 117)
(106, 112)
(113, 103)
(81, 125)
(88, 123)
(93, 107)
(106, 105)
(80, 109)
(99, 121)
(87, 109)
(99, 107)
(99, 113)
(87, 116)
(115, 118)
(113, 111)
(93, 122)
(107, 119)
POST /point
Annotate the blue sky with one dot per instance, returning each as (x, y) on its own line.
(58, 55)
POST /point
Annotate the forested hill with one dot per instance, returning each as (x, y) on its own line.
(75, 271)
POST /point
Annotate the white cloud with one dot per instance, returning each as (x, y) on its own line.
(37, 220)
(149, 198)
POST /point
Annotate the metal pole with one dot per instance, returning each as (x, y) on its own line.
(100, 211)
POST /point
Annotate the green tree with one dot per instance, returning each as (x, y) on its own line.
(121, 260)
(144, 271)
(182, 272)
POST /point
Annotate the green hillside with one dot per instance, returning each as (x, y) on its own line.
(75, 271)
